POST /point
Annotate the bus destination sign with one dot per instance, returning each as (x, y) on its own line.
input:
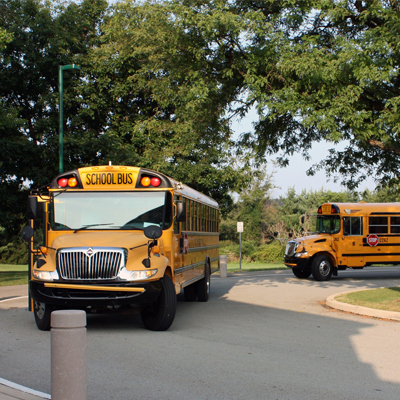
(111, 178)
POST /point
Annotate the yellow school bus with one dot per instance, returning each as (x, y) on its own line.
(118, 238)
(347, 235)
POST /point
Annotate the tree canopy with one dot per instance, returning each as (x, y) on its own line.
(161, 82)
(327, 70)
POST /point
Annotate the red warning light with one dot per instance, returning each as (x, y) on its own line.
(63, 182)
(155, 182)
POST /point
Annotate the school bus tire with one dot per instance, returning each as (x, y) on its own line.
(42, 313)
(301, 273)
(322, 268)
(190, 292)
(203, 285)
(159, 315)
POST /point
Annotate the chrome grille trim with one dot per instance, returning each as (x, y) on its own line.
(90, 263)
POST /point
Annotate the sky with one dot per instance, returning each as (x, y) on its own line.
(294, 175)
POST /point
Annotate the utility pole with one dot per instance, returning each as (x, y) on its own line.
(61, 68)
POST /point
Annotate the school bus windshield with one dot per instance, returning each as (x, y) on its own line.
(328, 224)
(111, 210)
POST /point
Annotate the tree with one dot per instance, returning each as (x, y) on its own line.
(167, 89)
(138, 100)
(327, 70)
(38, 39)
(255, 208)
(293, 206)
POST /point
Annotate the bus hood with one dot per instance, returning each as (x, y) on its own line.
(316, 238)
(100, 239)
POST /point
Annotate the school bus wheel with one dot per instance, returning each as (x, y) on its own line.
(301, 273)
(203, 286)
(190, 292)
(321, 268)
(42, 312)
(159, 315)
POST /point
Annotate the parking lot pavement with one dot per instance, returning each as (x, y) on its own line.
(14, 296)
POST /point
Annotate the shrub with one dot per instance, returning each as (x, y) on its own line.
(14, 253)
(267, 253)
(270, 253)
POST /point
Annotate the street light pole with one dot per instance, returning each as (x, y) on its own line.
(61, 68)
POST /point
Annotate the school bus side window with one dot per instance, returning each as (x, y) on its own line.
(394, 224)
(352, 226)
(378, 225)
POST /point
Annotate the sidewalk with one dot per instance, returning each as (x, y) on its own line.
(11, 391)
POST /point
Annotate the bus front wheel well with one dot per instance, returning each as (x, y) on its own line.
(325, 253)
(168, 271)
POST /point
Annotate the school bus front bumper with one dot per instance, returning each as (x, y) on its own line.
(85, 295)
(298, 262)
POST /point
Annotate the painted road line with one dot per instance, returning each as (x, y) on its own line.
(13, 298)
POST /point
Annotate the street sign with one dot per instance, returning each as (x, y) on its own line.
(240, 227)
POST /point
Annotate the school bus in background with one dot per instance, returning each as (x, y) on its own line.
(348, 235)
(116, 238)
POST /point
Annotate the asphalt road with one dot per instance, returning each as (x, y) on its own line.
(262, 335)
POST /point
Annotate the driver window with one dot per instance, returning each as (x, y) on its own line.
(352, 226)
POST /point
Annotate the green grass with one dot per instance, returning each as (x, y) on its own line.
(13, 275)
(387, 299)
(235, 267)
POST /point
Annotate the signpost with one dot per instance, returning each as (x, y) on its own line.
(240, 230)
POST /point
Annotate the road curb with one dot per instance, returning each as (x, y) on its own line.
(360, 310)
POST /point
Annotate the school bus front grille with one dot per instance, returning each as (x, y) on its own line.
(89, 264)
(290, 248)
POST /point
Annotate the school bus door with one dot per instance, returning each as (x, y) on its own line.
(353, 247)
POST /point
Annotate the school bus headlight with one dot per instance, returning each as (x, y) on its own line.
(302, 255)
(49, 276)
(126, 275)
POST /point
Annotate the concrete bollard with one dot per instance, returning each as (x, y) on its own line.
(223, 266)
(68, 355)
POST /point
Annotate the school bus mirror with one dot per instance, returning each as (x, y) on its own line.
(303, 219)
(27, 233)
(153, 232)
(180, 211)
(346, 227)
(32, 207)
(276, 234)
(290, 234)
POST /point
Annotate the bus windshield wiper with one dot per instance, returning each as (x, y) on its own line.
(91, 226)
